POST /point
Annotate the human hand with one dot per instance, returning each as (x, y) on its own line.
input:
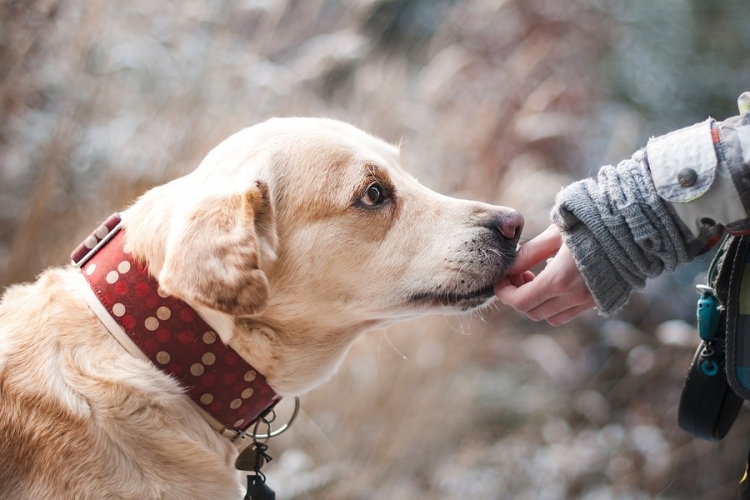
(558, 294)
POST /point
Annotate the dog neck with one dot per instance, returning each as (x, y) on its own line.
(168, 332)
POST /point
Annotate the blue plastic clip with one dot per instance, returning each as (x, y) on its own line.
(709, 367)
(708, 313)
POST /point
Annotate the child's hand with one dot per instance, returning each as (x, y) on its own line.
(558, 294)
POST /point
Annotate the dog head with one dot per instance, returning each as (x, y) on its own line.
(295, 235)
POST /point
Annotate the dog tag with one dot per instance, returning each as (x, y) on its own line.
(250, 459)
(257, 489)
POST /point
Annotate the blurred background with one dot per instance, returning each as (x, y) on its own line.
(503, 101)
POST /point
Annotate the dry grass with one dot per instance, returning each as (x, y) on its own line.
(490, 98)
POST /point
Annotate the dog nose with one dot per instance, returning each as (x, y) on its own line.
(510, 224)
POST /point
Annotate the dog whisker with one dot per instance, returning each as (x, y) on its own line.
(385, 332)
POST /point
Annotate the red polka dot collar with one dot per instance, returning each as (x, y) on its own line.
(169, 332)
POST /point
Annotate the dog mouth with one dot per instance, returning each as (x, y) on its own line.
(463, 300)
(471, 286)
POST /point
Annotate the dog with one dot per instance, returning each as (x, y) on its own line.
(290, 239)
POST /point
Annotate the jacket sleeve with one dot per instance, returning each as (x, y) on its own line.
(702, 173)
(619, 232)
(658, 209)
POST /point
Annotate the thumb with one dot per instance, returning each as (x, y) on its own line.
(537, 250)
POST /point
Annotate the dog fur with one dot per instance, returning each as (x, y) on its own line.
(280, 242)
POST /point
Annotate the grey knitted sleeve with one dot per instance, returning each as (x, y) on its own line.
(619, 232)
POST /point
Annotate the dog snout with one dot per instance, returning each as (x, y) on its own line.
(509, 223)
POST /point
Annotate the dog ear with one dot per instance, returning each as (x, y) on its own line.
(213, 252)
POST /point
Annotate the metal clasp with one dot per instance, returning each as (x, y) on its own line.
(270, 433)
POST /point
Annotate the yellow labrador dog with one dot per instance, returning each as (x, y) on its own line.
(290, 239)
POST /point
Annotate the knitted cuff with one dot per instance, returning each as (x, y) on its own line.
(619, 232)
(609, 290)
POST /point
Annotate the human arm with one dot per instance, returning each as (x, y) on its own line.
(640, 219)
(609, 236)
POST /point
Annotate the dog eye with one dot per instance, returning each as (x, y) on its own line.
(373, 196)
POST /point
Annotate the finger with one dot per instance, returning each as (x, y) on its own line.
(536, 250)
(515, 280)
(521, 279)
(526, 297)
(509, 280)
(504, 281)
(555, 306)
(569, 315)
